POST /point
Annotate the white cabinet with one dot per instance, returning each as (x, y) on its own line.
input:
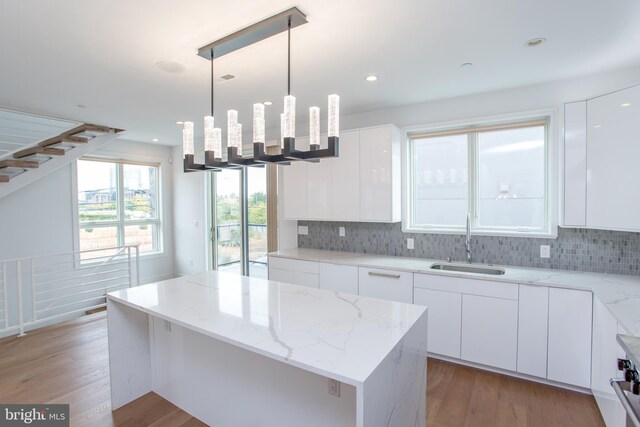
(386, 284)
(339, 278)
(605, 351)
(533, 316)
(345, 179)
(295, 185)
(293, 271)
(489, 331)
(569, 342)
(575, 164)
(380, 174)
(445, 316)
(612, 161)
(362, 184)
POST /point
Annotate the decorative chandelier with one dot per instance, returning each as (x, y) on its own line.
(235, 157)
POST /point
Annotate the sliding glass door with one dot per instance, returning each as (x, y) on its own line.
(240, 221)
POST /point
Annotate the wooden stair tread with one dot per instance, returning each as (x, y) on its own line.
(62, 139)
(39, 150)
(4, 178)
(23, 164)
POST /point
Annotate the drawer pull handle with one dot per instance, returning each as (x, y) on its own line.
(389, 276)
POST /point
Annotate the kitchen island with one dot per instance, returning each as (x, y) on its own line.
(239, 351)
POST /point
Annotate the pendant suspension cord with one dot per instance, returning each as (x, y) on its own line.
(289, 57)
(212, 82)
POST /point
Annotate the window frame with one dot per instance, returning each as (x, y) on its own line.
(120, 222)
(472, 127)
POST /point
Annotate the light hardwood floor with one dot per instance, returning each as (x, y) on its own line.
(68, 363)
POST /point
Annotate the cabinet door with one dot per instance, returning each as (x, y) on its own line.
(319, 189)
(345, 184)
(375, 174)
(612, 161)
(569, 346)
(489, 331)
(575, 164)
(295, 190)
(445, 315)
(533, 316)
(339, 278)
(386, 284)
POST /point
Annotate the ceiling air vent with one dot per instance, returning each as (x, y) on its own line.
(225, 78)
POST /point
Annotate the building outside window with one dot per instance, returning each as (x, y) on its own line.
(118, 205)
(498, 174)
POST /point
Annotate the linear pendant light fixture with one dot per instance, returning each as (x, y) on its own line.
(259, 31)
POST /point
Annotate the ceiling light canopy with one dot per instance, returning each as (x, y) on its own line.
(262, 30)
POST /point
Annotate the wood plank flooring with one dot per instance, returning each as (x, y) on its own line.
(68, 363)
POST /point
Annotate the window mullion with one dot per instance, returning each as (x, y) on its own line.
(473, 177)
(120, 203)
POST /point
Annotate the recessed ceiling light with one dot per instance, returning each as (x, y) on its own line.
(155, 140)
(371, 78)
(626, 104)
(536, 42)
(267, 103)
(466, 65)
(179, 122)
(597, 126)
(170, 66)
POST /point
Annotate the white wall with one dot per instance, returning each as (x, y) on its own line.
(39, 218)
(190, 221)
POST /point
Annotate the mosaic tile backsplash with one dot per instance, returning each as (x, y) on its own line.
(600, 251)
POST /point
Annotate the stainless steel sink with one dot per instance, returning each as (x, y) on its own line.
(468, 269)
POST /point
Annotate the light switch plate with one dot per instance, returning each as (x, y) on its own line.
(409, 243)
(341, 231)
(545, 251)
(303, 230)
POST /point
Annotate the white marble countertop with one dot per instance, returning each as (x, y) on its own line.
(620, 294)
(340, 336)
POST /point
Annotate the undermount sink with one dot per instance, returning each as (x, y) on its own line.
(468, 269)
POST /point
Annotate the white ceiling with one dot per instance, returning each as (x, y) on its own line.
(57, 54)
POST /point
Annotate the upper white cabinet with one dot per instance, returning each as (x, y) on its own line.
(575, 164)
(613, 151)
(569, 342)
(600, 167)
(362, 184)
(380, 174)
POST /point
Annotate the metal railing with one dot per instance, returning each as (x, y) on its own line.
(46, 289)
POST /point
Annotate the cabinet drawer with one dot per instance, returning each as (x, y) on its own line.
(293, 277)
(339, 278)
(486, 288)
(293, 265)
(386, 284)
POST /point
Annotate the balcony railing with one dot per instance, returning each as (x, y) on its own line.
(42, 290)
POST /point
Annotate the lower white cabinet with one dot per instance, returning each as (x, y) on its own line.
(569, 343)
(445, 316)
(339, 278)
(293, 271)
(533, 321)
(490, 331)
(387, 284)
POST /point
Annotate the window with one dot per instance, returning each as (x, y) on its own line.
(118, 204)
(498, 174)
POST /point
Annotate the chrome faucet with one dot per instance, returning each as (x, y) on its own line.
(468, 242)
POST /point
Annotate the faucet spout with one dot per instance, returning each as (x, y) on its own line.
(468, 241)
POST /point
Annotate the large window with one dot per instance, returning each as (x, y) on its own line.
(118, 204)
(497, 174)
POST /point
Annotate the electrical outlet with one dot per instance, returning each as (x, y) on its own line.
(545, 251)
(166, 325)
(303, 230)
(410, 243)
(341, 231)
(195, 224)
(334, 387)
(191, 262)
